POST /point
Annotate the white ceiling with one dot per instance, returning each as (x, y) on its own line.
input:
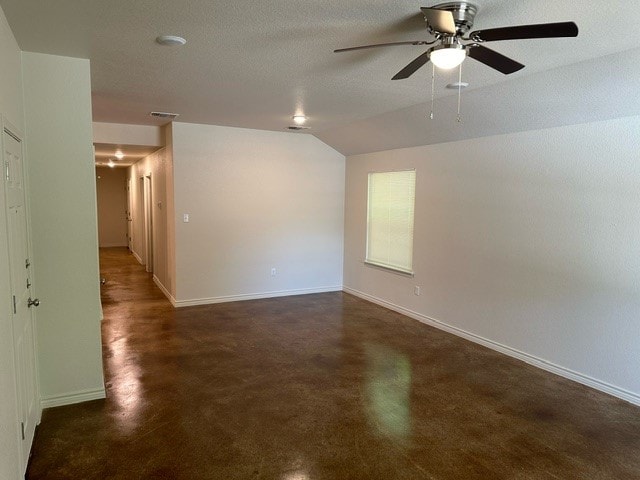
(254, 64)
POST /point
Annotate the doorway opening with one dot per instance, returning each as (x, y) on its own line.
(143, 224)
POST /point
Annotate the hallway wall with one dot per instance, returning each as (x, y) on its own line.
(126, 134)
(63, 221)
(157, 165)
(112, 206)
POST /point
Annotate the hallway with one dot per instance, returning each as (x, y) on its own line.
(323, 386)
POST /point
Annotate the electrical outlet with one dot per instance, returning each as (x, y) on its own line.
(273, 272)
(416, 290)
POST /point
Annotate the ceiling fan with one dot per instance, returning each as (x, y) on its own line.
(450, 23)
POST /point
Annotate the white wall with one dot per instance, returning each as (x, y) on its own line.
(257, 200)
(11, 108)
(63, 220)
(112, 206)
(529, 240)
(124, 134)
(157, 165)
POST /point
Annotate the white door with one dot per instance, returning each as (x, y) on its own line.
(20, 271)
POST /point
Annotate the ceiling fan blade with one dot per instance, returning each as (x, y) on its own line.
(440, 20)
(521, 32)
(416, 42)
(410, 69)
(493, 59)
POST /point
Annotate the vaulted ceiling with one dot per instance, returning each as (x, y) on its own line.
(255, 64)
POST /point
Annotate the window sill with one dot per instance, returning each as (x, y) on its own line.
(406, 273)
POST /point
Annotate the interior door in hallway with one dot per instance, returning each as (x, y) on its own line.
(20, 273)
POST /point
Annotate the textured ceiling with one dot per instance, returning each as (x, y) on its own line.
(254, 64)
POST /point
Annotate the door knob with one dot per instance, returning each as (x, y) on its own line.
(33, 303)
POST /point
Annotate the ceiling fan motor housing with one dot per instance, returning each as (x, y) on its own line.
(463, 14)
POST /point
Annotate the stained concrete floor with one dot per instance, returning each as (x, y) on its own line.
(322, 386)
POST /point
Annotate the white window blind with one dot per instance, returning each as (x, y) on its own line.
(390, 211)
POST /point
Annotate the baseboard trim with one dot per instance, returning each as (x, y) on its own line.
(73, 397)
(111, 245)
(594, 383)
(164, 290)
(256, 296)
(137, 257)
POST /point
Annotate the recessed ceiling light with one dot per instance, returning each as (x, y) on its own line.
(119, 155)
(299, 119)
(170, 40)
(456, 85)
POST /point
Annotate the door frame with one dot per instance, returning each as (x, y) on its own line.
(147, 205)
(129, 215)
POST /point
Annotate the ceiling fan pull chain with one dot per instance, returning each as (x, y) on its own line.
(459, 118)
(433, 89)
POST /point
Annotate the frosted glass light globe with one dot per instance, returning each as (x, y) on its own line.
(447, 58)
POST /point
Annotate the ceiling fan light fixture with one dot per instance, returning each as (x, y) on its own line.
(447, 57)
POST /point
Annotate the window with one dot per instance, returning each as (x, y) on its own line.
(390, 210)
